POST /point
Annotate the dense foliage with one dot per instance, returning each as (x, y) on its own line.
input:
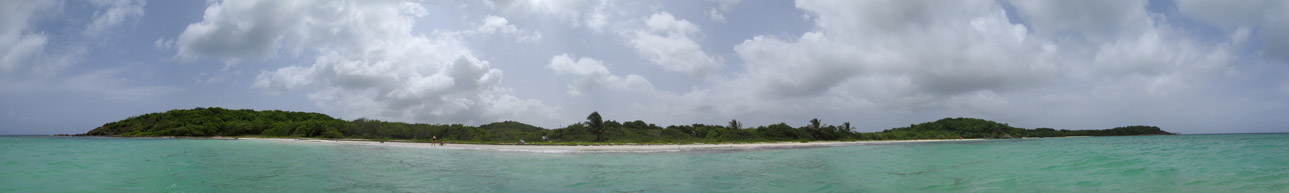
(224, 122)
(980, 128)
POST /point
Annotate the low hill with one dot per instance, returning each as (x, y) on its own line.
(214, 122)
(958, 128)
(948, 128)
(514, 126)
(1117, 131)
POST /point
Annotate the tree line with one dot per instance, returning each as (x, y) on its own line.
(202, 122)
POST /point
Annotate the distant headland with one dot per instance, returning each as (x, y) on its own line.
(209, 122)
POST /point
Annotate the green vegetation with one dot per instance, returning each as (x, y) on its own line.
(980, 128)
(245, 122)
(222, 122)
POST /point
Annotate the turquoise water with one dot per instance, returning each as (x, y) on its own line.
(1184, 163)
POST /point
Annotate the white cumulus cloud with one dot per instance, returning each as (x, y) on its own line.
(669, 42)
(368, 63)
(592, 14)
(939, 49)
(593, 74)
(494, 25)
(233, 30)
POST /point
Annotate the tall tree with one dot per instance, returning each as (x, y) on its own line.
(815, 129)
(814, 124)
(597, 125)
(846, 126)
(735, 125)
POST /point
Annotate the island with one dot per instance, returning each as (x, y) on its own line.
(214, 121)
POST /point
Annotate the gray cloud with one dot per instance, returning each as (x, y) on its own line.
(1097, 19)
(1228, 13)
(1268, 17)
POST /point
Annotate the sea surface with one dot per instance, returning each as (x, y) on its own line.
(1183, 163)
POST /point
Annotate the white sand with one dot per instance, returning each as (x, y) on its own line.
(609, 148)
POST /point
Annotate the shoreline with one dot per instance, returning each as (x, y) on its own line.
(604, 148)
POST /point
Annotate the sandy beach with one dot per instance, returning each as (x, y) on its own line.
(608, 148)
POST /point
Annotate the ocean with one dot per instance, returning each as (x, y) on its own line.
(1180, 163)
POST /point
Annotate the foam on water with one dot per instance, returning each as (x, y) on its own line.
(1186, 163)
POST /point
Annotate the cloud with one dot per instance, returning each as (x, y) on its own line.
(900, 60)
(726, 5)
(1231, 13)
(563, 64)
(112, 13)
(933, 48)
(221, 34)
(946, 50)
(1269, 16)
(716, 16)
(717, 13)
(593, 74)
(163, 44)
(111, 83)
(460, 89)
(257, 29)
(368, 62)
(496, 25)
(23, 44)
(33, 49)
(1092, 19)
(669, 42)
(592, 14)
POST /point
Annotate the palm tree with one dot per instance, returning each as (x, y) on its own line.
(814, 131)
(734, 124)
(845, 126)
(814, 124)
(852, 132)
(597, 125)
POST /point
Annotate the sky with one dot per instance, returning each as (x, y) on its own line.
(1185, 66)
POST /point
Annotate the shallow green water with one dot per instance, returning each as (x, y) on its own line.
(1186, 163)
